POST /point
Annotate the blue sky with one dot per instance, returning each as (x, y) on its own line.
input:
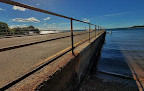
(106, 13)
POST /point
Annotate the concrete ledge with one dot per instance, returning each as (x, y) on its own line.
(66, 73)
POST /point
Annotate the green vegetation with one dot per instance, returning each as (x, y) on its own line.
(4, 28)
(137, 26)
(25, 30)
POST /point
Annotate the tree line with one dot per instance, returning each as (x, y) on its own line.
(4, 28)
(142, 26)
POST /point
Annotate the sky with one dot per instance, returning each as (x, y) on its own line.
(105, 13)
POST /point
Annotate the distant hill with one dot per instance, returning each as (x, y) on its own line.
(130, 27)
(137, 26)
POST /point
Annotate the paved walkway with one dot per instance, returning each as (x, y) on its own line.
(16, 62)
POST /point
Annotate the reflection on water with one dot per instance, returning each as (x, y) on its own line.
(113, 71)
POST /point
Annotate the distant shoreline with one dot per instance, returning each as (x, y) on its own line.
(128, 28)
(133, 27)
(137, 26)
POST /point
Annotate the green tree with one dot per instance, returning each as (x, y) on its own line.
(4, 27)
(31, 27)
(25, 29)
(17, 30)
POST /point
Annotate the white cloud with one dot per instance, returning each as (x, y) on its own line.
(47, 18)
(51, 26)
(1, 9)
(116, 14)
(14, 26)
(19, 8)
(45, 23)
(41, 28)
(31, 19)
(37, 4)
(86, 20)
(64, 23)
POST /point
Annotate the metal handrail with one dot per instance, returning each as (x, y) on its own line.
(57, 56)
(51, 13)
(37, 9)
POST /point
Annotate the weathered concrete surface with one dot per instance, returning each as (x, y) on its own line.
(9, 42)
(64, 74)
(17, 62)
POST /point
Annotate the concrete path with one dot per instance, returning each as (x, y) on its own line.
(8, 42)
(16, 62)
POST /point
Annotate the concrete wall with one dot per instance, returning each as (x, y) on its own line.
(71, 76)
(66, 73)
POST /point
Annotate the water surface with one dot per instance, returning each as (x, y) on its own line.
(122, 48)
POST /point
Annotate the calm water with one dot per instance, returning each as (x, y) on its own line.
(120, 42)
(112, 67)
(131, 39)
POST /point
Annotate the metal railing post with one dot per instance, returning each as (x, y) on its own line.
(89, 32)
(95, 30)
(72, 42)
(98, 30)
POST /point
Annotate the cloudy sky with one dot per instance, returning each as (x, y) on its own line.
(106, 13)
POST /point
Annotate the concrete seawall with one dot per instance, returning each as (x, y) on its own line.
(67, 72)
